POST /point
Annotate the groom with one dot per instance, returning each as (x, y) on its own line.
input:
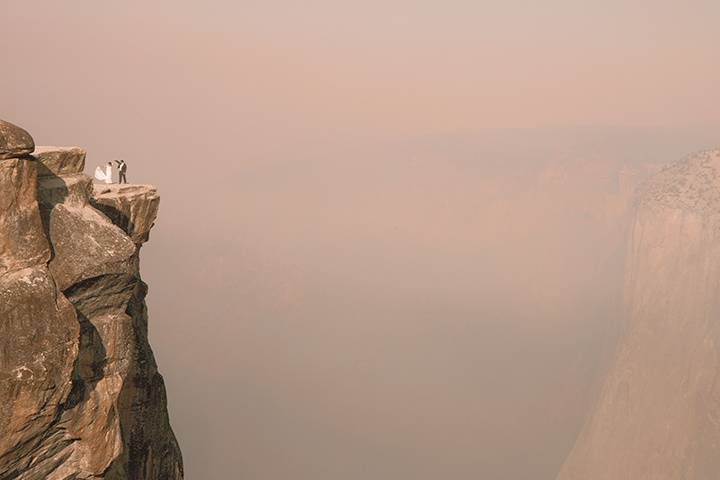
(122, 170)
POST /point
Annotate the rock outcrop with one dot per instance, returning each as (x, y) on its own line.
(14, 141)
(59, 160)
(658, 414)
(131, 207)
(80, 393)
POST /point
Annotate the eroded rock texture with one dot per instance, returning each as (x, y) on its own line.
(658, 415)
(131, 207)
(14, 141)
(80, 393)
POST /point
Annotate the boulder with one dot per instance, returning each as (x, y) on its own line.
(14, 141)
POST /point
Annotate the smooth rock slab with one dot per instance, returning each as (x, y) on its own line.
(60, 160)
(86, 245)
(71, 190)
(14, 141)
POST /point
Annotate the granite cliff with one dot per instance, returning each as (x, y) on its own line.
(80, 392)
(658, 413)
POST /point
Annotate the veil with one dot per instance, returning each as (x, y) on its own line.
(99, 174)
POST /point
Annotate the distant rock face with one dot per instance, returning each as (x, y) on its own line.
(80, 393)
(658, 415)
(14, 141)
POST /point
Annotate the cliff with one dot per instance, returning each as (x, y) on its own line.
(80, 393)
(658, 414)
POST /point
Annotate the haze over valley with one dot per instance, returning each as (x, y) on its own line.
(393, 237)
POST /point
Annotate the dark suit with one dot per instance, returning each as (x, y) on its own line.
(122, 170)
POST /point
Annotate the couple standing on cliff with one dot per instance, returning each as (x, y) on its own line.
(107, 175)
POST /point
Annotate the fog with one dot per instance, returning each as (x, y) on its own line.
(392, 234)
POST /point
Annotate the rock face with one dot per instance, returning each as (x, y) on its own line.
(131, 207)
(59, 160)
(14, 141)
(80, 393)
(658, 415)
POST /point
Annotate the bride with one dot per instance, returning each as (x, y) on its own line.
(105, 176)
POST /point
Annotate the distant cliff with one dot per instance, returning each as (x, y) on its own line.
(658, 415)
(80, 393)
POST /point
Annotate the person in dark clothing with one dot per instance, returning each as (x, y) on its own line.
(122, 170)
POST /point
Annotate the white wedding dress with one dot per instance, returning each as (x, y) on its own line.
(105, 176)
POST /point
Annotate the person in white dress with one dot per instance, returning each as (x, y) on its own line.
(105, 176)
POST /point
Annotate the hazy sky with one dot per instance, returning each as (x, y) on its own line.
(419, 67)
(391, 234)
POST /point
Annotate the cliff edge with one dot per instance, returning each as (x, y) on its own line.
(80, 393)
(658, 414)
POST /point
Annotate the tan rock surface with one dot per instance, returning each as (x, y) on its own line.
(22, 241)
(39, 342)
(133, 208)
(69, 190)
(80, 393)
(658, 415)
(14, 141)
(60, 160)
